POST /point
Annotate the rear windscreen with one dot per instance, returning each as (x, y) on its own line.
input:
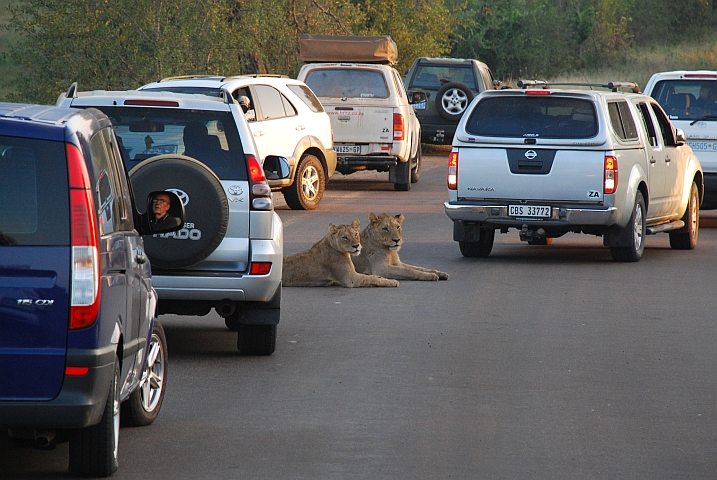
(533, 116)
(435, 76)
(34, 194)
(684, 99)
(350, 83)
(208, 136)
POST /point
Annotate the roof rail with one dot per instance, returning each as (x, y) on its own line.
(258, 75)
(614, 86)
(186, 77)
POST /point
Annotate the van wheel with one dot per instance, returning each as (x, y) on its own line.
(93, 449)
(686, 237)
(634, 251)
(309, 184)
(482, 247)
(143, 405)
(256, 339)
(416, 163)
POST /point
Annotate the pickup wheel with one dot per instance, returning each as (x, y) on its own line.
(143, 405)
(416, 165)
(482, 247)
(403, 173)
(452, 100)
(686, 237)
(309, 184)
(256, 339)
(633, 253)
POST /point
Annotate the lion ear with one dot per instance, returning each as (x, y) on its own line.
(372, 217)
(332, 228)
(356, 223)
(399, 217)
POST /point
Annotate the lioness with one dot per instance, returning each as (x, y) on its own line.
(381, 240)
(328, 262)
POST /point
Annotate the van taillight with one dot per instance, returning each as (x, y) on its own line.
(260, 192)
(398, 126)
(85, 281)
(452, 177)
(610, 174)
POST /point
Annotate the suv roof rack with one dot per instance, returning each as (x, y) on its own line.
(258, 75)
(614, 86)
(189, 77)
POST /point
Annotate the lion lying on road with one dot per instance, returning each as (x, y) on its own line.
(328, 262)
(380, 241)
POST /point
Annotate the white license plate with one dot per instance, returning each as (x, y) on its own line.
(419, 106)
(703, 146)
(529, 211)
(347, 148)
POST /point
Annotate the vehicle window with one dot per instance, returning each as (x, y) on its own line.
(208, 136)
(350, 83)
(307, 96)
(400, 88)
(107, 188)
(666, 131)
(34, 195)
(685, 99)
(621, 120)
(647, 123)
(288, 107)
(533, 116)
(434, 76)
(271, 102)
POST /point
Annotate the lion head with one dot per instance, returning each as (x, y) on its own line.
(346, 238)
(385, 230)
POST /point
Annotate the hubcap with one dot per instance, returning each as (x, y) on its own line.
(153, 377)
(454, 101)
(310, 183)
(638, 227)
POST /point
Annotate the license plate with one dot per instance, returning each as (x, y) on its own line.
(703, 146)
(347, 148)
(419, 106)
(529, 211)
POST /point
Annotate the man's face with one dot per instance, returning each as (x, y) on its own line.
(161, 205)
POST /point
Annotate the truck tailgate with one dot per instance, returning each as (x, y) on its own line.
(360, 124)
(539, 174)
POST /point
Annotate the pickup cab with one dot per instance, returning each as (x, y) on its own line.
(547, 162)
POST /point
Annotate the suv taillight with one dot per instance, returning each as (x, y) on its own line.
(452, 177)
(610, 174)
(85, 282)
(259, 190)
(398, 126)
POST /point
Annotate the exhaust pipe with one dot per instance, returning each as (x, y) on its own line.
(44, 438)
(225, 308)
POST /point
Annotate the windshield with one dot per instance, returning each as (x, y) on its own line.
(435, 76)
(533, 116)
(350, 83)
(687, 99)
(208, 136)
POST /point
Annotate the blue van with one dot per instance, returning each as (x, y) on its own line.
(78, 335)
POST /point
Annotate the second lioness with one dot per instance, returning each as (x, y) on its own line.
(380, 242)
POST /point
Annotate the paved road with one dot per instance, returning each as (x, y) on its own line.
(537, 362)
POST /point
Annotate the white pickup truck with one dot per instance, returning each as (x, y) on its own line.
(375, 126)
(548, 161)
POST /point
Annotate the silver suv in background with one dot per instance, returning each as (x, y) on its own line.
(285, 118)
(229, 254)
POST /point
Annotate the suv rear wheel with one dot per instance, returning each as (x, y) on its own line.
(309, 184)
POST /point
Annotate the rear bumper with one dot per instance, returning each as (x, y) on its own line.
(497, 216)
(367, 162)
(80, 403)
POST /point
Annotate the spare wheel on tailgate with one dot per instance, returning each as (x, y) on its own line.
(205, 203)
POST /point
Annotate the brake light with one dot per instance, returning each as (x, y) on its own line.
(259, 192)
(397, 126)
(537, 92)
(260, 268)
(152, 103)
(610, 174)
(700, 75)
(85, 282)
(452, 177)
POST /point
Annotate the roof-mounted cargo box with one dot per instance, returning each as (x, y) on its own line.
(343, 48)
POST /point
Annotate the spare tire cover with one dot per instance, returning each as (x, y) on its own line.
(205, 203)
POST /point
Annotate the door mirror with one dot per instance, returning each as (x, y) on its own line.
(417, 97)
(276, 168)
(165, 212)
(680, 138)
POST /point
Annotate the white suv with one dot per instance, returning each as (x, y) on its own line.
(285, 118)
(690, 100)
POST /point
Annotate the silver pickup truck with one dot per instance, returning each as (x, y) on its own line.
(549, 161)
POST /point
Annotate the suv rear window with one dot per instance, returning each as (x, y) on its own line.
(33, 198)
(350, 83)
(687, 99)
(434, 76)
(210, 137)
(533, 116)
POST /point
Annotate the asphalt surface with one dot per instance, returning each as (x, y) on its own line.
(549, 362)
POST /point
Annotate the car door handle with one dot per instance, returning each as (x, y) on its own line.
(258, 134)
(141, 258)
(301, 127)
(652, 160)
(667, 159)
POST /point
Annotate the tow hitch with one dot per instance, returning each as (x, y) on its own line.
(531, 235)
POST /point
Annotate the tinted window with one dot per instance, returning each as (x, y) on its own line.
(434, 76)
(112, 209)
(308, 97)
(687, 99)
(621, 120)
(34, 198)
(533, 116)
(270, 100)
(647, 123)
(666, 132)
(210, 137)
(349, 83)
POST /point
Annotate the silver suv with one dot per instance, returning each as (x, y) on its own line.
(285, 118)
(229, 254)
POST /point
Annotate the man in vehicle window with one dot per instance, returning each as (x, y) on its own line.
(706, 100)
(161, 204)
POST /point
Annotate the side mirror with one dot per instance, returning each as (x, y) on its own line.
(276, 168)
(680, 138)
(165, 212)
(417, 97)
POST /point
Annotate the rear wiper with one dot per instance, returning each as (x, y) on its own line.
(704, 117)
